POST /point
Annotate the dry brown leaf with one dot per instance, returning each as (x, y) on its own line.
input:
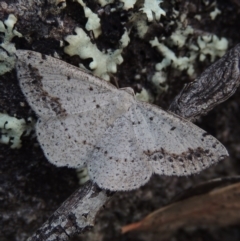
(217, 208)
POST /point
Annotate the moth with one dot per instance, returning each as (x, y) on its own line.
(85, 121)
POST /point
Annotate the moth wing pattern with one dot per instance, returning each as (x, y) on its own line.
(53, 87)
(150, 140)
(69, 140)
(73, 107)
(118, 162)
(177, 146)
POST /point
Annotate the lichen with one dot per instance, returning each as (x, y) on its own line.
(139, 21)
(170, 58)
(153, 10)
(105, 2)
(214, 13)
(144, 95)
(7, 49)
(103, 63)
(195, 49)
(11, 130)
(180, 35)
(211, 45)
(128, 4)
(93, 23)
(83, 176)
(195, 45)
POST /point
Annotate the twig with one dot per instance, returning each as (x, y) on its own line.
(75, 215)
(215, 85)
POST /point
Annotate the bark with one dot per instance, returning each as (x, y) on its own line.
(75, 215)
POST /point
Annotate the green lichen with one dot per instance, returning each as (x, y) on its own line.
(83, 176)
(103, 63)
(211, 45)
(195, 49)
(93, 23)
(145, 96)
(196, 45)
(7, 49)
(11, 130)
(105, 2)
(128, 4)
(153, 10)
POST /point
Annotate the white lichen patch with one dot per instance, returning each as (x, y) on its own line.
(93, 23)
(206, 45)
(128, 3)
(211, 45)
(170, 58)
(7, 49)
(11, 130)
(180, 50)
(145, 96)
(105, 2)
(195, 48)
(198, 17)
(214, 13)
(82, 174)
(139, 21)
(61, 3)
(103, 63)
(180, 36)
(153, 10)
(159, 80)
